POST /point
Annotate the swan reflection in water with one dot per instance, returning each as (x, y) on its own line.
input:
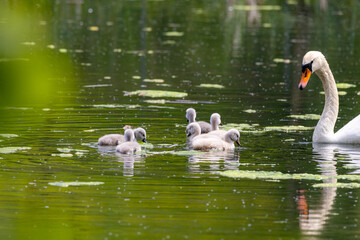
(214, 161)
(129, 162)
(312, 220)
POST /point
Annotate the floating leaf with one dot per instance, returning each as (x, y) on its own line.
(157, 93)
(67, 184)
(136, 77)
(337, 185)
(147, 145)
(306, 116)
(63, 50)
(8, 135)
(206, 85)
(156, 101)
(174, 34)
(117, 50)
(345, 85)
(288, 128)
(7, 150)
(289, 140)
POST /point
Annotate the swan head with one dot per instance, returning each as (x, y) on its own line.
(312, 61)
(193, 130)
(215, 119)
(129, 135)
(233, 135)
(140, 134)
(190, 115)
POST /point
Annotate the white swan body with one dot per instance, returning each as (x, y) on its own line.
(191, 116)
(115, 139)
(130, 146)
(315, 61)
(211, 142)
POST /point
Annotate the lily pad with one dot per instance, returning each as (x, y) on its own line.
(337, 185)
(7, 150)
(8, 135)
(306, 116)
(345, 85)
(206, 85)
(174, 34)
(288, 128)
(68, 184)
(157, 93)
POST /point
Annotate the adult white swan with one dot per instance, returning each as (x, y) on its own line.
(315, 61)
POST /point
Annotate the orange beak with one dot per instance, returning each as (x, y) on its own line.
(304, 79)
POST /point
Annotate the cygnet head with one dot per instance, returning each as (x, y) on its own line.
(129, 135)
(215, 121)
(190, 115)
(233, 135)
(140, 134)
(193, 130)
(312, 61)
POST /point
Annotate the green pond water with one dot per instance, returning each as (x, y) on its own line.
(72, 71)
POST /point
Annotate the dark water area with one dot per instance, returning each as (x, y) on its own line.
(67, 72)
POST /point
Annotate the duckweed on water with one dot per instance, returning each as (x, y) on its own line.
(341, 93)
(97, 85)
(288, 128)
(257, 7)
(337, 185)
(239, 126)
(174, 34)
(271, 175)
(157, 93)
(154, 80)
(115, 106)
(67, 184)
(62, 155)
(180, 153)
(157, 101)
(206, 85)
(306, 116)
(8, 135)
(7, 150)
(345, 85)
(249, 111)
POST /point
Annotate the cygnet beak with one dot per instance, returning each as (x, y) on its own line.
(144, 140)
(238, 142)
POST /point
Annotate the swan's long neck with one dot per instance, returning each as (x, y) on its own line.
(214, 126)
(324, 130)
